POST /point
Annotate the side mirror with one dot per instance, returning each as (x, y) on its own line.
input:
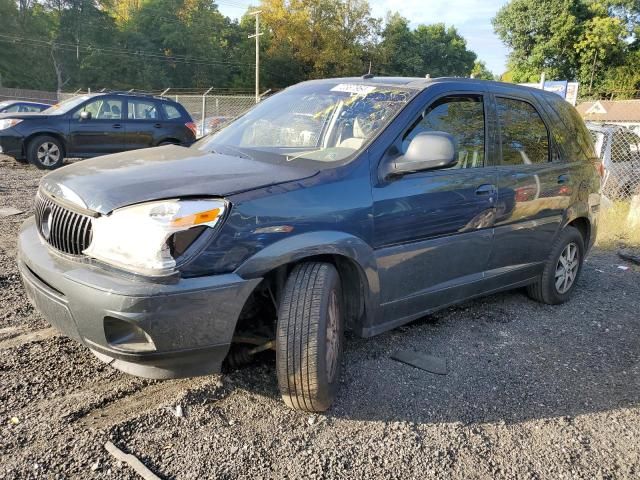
(427, 151)
(85, 115)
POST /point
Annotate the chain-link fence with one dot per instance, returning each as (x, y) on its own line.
(210, 109)
(28, 95)
(619, 150)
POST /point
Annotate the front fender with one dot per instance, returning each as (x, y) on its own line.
(311, 244)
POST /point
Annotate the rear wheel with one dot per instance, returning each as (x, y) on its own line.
(310, 337)
(45, 152)
(562, 269)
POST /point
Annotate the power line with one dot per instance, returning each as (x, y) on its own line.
(115, 51)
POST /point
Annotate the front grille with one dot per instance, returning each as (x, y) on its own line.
(62, 228)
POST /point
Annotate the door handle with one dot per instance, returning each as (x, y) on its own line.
(158, 125)
(562, 179)
(116, 125)
(486, 189)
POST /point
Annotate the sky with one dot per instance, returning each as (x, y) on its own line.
(472, 19)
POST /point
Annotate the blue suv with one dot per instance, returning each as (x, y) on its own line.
(355, 203)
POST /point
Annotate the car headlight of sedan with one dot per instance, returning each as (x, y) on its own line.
(147, 238)
(8, 123)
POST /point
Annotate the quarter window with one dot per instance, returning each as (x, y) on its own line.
(142, 110)
(102, 109)
(525, 140)
(171, 112)
(463, 118)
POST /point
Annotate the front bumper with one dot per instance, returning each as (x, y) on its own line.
(11, 143)
(190, 323)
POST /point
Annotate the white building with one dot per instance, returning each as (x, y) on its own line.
(614, 112)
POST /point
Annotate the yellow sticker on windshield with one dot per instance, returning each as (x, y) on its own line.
(355, 88)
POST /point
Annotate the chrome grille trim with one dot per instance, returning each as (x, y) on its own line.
(69, 231)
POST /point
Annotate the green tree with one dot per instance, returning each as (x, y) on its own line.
(429, 49)
(480, 71)
(584, 40)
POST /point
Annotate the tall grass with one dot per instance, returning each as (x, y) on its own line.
(613, 230)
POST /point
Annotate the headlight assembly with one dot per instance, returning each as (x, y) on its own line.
(147, 238)
(8, 123)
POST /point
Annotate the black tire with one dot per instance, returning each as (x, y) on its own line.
(168, 142)
(307, 379)
(45, 152)
(544, 290)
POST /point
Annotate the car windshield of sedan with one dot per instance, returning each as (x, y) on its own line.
(66, 105)
(322, 122)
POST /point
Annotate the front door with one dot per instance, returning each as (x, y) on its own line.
(433, 229)
(104, 132)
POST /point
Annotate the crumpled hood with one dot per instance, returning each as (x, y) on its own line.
(103, 184)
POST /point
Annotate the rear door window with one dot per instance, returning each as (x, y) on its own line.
(524, 136)
(142, 110)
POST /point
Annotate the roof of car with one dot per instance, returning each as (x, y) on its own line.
(421, 83)
(129, 94)
(25, 102)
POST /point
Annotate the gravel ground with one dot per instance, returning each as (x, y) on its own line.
(532, 391)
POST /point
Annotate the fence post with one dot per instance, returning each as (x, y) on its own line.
(204, 111)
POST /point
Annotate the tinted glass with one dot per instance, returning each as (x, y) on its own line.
(171, 112)
(463, 118)
(102, 109)
(143, 110)
(25, 107)
(574, 136)
(525, 140)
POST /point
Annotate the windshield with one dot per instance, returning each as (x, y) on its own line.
(324, 122)
(66, 105)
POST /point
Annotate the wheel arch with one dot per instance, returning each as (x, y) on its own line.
(57, 135)
(583, 225)
(352, 257)
(169, 140)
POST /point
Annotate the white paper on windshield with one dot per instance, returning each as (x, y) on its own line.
(354, 88)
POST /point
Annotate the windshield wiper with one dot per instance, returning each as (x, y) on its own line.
(236, 152)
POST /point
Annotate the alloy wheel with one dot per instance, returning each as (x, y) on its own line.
(48, 154)
(567, 268)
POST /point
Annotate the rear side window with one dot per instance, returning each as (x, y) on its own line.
(142, 110)
(525, 139)
(460, 116)
(171, 112)
(573, 133)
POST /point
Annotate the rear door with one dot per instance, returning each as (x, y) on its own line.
(103, 133)
(534, 188)
(433, 229)
(145, 124)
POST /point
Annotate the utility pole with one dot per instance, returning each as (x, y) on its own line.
(257, 37)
